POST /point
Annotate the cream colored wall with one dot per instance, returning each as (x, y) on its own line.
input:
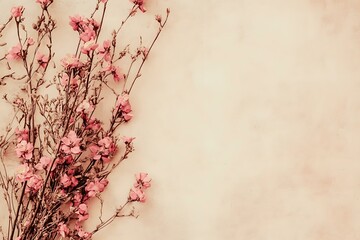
(248, 120)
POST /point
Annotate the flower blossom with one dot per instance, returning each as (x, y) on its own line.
(82, 212)
(87, 28)
(140, 3)
(142, 181)
(68, 181)
(22, 134)
(71, 143)
(44, 3)
(115, 71)
(14, 53)
(17, 11)
(24, 150)
(70, 62)
(137, 195)
(104, 50)
(85, 107)
(82, 233)
(96, 186)
(127, 140)
(103, 150)
(42, 60)
(30, 41)
(74, 82)
(63, 229)
(88, 47)
(44, 163)
(34, 184)
(123, 104)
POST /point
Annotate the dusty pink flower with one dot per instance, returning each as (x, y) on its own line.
(74, 82)
(24, 174)
(76, 22)
(71, 143)
(34, 184)
(76, 199)
(103, 150)
(140, 3)
(137, 195)
(70, 62)
(14, 53)
(115, 71)
(17, 11)
(89, 47)
(88, 34)
(30, 41)
(142, 181)
(44, 163)
(42, 60)
(123, 104)
(85, 107)
(63, 229)
(22, 134)
(103, 1)
(82, 212)
(24, 150)
(44, 3)
(93, 124)
(158, 18)
(81, 233)
(96, 186)
(68, 181)
(127, 140)
(104, 50)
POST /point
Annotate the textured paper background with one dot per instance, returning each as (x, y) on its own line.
(247, 119)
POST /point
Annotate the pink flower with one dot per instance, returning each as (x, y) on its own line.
(44, 163)
(104, 50)
(44, 3)
(85, 107)
(76, 22)
(42, 60)
(96, 187)
(88, 34)
(103, 150)
(142, 181)
(137, 195)
(22, 134)
(103, 1)
(93, 124)
(17, 11)
(30, 41)
(25, 173)
(127, 140)
(34, 184)
(82, 212)
(140, 3)
(24, 150)
(68, 181)
(71, 143)
(63, 229)
(123, 104)
(88, 47)
(14, 53)
(81, 233)
(115, 71)
(70, 62)
(73, 82)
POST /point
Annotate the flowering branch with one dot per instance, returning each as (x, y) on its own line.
(65, 153)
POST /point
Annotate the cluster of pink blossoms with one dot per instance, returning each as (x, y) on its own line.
(123, 107)
(103, 150)
(137, 193)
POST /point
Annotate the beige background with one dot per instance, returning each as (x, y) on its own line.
(247, 119)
